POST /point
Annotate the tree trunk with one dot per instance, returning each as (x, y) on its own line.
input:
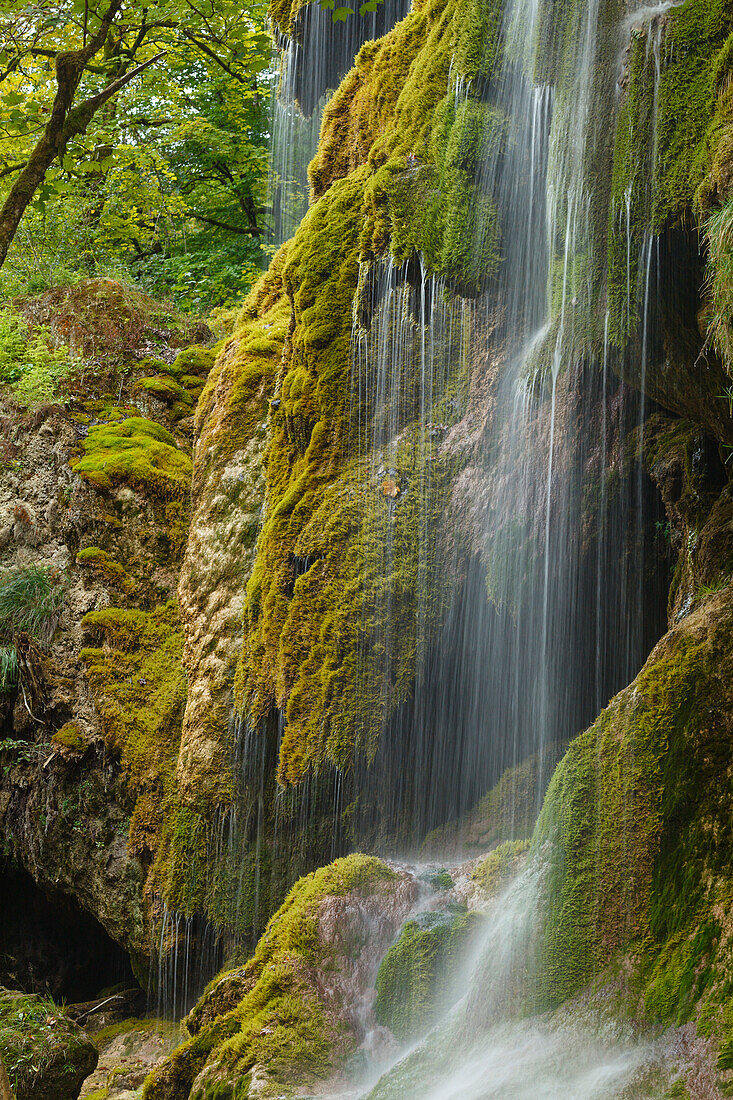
(6, 1093)
(69, 70)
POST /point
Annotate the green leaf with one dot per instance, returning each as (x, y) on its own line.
(341, 14)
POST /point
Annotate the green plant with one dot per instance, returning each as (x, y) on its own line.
(30, 362)
(8, 666)
(719, 232)
(710, 589)
(30, 599)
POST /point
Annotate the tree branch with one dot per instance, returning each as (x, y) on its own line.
(210, 53)
(10, 168)
(241, 230)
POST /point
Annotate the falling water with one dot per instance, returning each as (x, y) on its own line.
(489, 1046)
(575, 582)
(565, 548)
(313, 61)
(538, 585)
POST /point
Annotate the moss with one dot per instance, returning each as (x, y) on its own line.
(167, 389)
(683, 116)
(135, 1025)
(143, 455)
(642, 866)
(282, 1026)
(194, 362)
(500, 865)
(106, 568)
(507, 812)
(136, 452)
(415, 974)
(181, 383)
(139, 691)
(71, 736)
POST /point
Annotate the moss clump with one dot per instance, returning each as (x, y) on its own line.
(144, 456)
(71, 737)
(282, 1028)
(106, 568)
(415, 974)
(135, 452)
(139, 690)
(181, 383)
(47, 1056)
(500, 865)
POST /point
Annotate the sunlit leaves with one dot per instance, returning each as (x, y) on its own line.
(340, 13)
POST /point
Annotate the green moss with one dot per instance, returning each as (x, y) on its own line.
(415, 973)
(500, 865)
(181, 383)
(106, 568)
(135, 452)
(507, 812)
(167, 389)
(70, 736)
(139, 691)
(642, 866)
(690, 131)
(195, 361)
(281, 1025)
(144, 456)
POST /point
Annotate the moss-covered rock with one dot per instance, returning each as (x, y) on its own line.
(648, 863)
(507, 813)
(139, 690)
(47, 1056)
(285, 1020)
(415, 976)
(500, 866)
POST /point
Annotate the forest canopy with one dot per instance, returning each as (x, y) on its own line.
(134, 143)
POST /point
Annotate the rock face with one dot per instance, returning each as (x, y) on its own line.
(46, 1055)
(251, 560)
(94, 513)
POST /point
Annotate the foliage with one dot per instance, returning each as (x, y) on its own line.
(719, 233)
(8, 667)
(30, 361)
(46, 1055)
(162, 155)
(30, 600)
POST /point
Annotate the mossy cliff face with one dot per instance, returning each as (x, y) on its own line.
(95, 493)
(636, 826)
(318, 561)
(289, 1018)
(227, 498)
(400, 171)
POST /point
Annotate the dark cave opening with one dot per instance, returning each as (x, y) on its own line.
(50, 945)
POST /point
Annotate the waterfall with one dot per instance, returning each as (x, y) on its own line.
(313, 60)
(563, 514)
(565, 544)
(487, 1047)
